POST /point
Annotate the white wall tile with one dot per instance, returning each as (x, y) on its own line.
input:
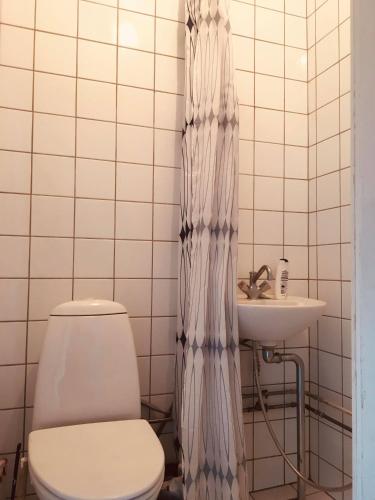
(328, 121)
(13, 342)
(328, 224)
(295, 7)
(295, 31)
(54, 134)
(328, 85)
(53, 175)
(97, 22)
(166, 222)
(163, 368)
(135, 68)
(269, 25)
(15, 130)
(296, 129)
(269, 58)
(55, 53)
(15, 88)
(269, 193)
(18, 12)
(169, 111)
(96, 139)
(165, 259)
(326, 18)
(135, 106)
(246, 122)
(135, 295)
(45, 294)
(16, 46)
(93, 258)
(295, 63)
(133, 259)
(166, 185)
(244, 81)
(13, 299)
(12, 386)
(327, 51)
(295, 96)
(164, 297)
(35, 338)
(269, 159)
(269, 92)
(129, 139)
(134, 182)
(15, 169)
(167, 148)
(52, 216)
(296, 195)
(269, 125)
(263, 221)
(136, 31)
(94, 218)
(54, 94)
(163, 335)
(169, 74)
(143, 6)
(96, 61)
(51, 258)
(96, 100)
(328, 155)
(98, 288)
(296, 225)
(57, 16)
(242, 19)
(14, 257)
(95, 179)
(296, 162)
(134, 221)
(329, 262)
(170, 9)
(170, 38)
(328, 191)
(15, 211)
(243, 53)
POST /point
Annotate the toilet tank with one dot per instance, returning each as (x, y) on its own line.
(88, 368)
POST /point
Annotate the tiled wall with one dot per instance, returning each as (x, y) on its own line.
(90, 119)
(91, 100)
(270, 45)
(330, 232)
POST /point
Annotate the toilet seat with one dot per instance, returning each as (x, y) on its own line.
(119, 460)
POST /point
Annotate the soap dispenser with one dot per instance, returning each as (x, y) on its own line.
(281, 283)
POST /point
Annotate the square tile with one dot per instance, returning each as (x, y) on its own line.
(133, 259)
(51, 258)
(269, 58)
(94, 218)
(96, 61)
(99, 288)
(136, 31)
(18, 12)
(93, 258)
(163, 335)
(245, 226)
(15, 88)
(269, 125)
(328, 121)
(242, 19)
(55, 53)
(52, 216)
(15, 169)
(134, 221)
(269, 159)
(295, 96)
(243, 53)
(328, 155)
(95, 179)
(166, 222)
(170, 9)
(96, 100)
(170, 38)
(15, 130)
(135, 106)
(15, 211)
(296, 63)
(327, 51)
(14, 257)
(167, 148)
(268, 193)
(169, 111)
(96, 139)
(45, 294)
(54, 134)
(296, 162)
(328, 225)
(269, 25)
(54, 94)
(269, 92)
(166, 185)
(164, 297)
(135, 68)
(326, 18)
(295, 230)
(165, 259)
(12, 386)
(162, 369)
(246, 122)
(295, 31)
(265, 220)
(13, 341)
(135, 295)
(53, 175)
(329, 267)
(134, 182)
(296, 199)
(13, 299)
(328, 87)
(97, 22)
(129, 139)
(143, 6)
(57, 16)
(328, 191)
(296, 129)
(16, 46)
(169, 74)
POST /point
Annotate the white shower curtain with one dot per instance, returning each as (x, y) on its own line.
(208, 391)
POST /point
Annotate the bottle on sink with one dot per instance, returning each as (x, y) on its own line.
(281, 283)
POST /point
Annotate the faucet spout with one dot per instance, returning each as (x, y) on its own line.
(253, 291)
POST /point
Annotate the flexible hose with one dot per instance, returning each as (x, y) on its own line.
(317, 486)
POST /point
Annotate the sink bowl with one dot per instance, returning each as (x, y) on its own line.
(270, 321)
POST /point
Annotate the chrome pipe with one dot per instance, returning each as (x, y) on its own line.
(270, 356)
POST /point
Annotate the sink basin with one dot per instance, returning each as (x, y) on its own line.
(270, 321)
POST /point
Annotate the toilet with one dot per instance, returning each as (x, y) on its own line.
(88, 440)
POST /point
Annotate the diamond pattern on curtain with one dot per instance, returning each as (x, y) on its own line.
(208, 393)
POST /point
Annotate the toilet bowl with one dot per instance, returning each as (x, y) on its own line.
(88, 441)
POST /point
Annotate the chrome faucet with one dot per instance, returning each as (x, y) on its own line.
(253, 291)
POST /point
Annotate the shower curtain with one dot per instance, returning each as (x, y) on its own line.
(208, 395)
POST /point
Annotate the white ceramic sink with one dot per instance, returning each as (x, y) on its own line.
(270, 321)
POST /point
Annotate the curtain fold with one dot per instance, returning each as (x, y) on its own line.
(208, 393)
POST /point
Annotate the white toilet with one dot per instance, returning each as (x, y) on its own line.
(88, 440)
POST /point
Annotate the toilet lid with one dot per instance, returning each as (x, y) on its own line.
(97, 461)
